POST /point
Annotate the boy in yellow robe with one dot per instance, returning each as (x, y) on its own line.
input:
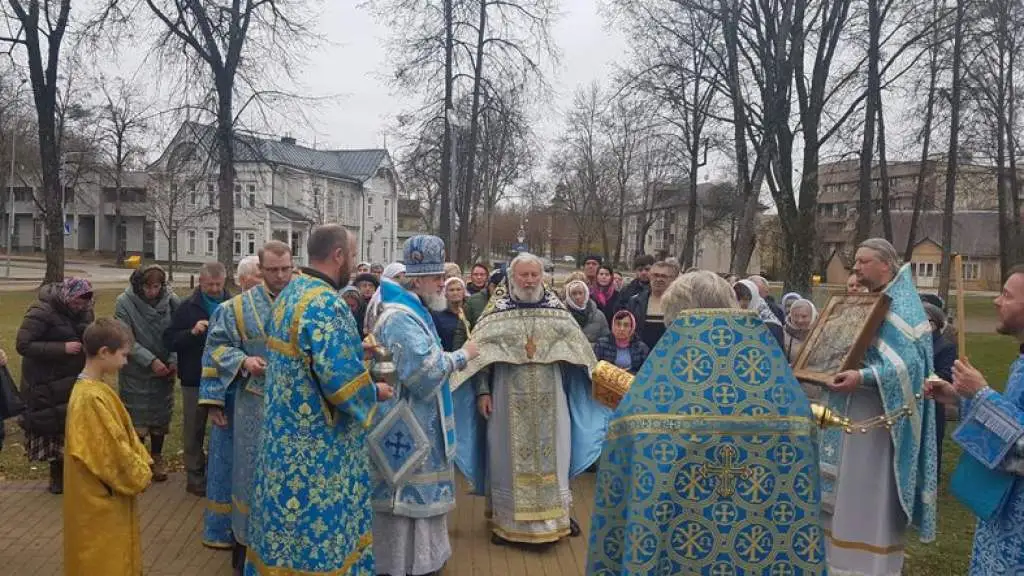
(105, 464)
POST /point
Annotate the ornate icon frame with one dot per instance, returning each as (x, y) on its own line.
(855, 341)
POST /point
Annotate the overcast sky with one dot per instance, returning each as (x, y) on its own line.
(353, 67)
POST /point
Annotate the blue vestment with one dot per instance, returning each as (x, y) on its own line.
(405, 327)
(897, 363)
(992, 425)
(310, 507)
(237, 331)
(710, 465)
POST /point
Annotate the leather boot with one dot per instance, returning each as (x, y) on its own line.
(56, 477)
(158, 468)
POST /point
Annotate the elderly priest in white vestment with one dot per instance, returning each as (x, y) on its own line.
(876, 484)
(527, 422)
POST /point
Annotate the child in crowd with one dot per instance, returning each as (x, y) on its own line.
(106, 465)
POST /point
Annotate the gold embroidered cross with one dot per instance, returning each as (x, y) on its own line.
(726, 470)
(531, 347)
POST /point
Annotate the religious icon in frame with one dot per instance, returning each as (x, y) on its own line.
(841, 336)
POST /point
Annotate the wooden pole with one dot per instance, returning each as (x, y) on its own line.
(961, 324)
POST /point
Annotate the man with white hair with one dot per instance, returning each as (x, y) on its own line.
(413, 439)
(535, 424)
(710, 464)
(876, 484)
(234, 365)
(764, 291)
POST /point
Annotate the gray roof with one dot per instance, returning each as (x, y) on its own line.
(359, 165)
(287, 214)
(975, 233)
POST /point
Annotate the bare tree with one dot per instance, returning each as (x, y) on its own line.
(40, 27)
(123, 119)
(954, 148)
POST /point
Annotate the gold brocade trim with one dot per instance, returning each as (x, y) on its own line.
(370, 416)
(789, 424)
(218, 545)
(862, 546)
(252, 557)
(236, 304)
(216, 403)
(716, 312)
(281, 347)
(350, 389)
(218, 507)
(300, 311)
(209, 371)
(240, 505)
(255, 309)
(540, 515)
(218, 352)
(530, 537)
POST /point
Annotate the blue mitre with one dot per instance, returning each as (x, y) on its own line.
(710, 465)
(423, 255)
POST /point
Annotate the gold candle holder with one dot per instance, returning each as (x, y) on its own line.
(610, 383)
(826, 417)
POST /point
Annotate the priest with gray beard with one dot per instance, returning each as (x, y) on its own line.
(525, 417)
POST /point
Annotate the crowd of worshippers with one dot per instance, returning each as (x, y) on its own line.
(314, 467)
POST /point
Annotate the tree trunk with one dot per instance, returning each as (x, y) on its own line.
(445, 219)
(922, 170)
(53, 216)
(883, 174)
(953, 153)
(865, 208)
(1011, 150)
(689, 247)
(467, 199)
(226, 176)
(119, 248)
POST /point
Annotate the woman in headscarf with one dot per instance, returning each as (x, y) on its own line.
(749, 299)
(623, 347)
(787, 301)
(50, 343)
(451, 323)
(394, 272)
(604, 292)
(583, 308)
(799, 319)
(147, 380)
(350, 294)
(452, 270)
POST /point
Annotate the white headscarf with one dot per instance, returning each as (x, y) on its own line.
(568, 298)
(758, 304)
(803, 302)
(393, 270)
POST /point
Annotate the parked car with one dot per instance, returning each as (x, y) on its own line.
(568, 259)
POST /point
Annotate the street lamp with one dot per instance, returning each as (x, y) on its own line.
(10, 183)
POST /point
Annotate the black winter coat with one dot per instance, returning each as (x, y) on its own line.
(48, 372)
(179, 338)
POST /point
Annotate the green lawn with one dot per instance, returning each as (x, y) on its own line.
(949, 555)
(13, 463)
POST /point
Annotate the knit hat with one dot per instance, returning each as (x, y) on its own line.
(366, 277)
(424, 256)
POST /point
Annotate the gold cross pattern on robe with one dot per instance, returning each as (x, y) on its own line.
(531, 347)
(726, 470)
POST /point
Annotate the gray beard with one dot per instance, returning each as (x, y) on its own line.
(435, 302)
(528, 295)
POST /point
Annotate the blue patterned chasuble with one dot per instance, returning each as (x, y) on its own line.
(405, 327)
(310, 505)
(710, 465)
(992, 424)
(237, 330)
(897, 362)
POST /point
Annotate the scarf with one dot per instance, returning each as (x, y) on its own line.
(568, 299)
(624, 343)
(758, 304)
(791, 296)
(801, 333)
(210, 303)
(138, 280)
(75, 288)
(391, 271)
(603, 294)
(461, 312)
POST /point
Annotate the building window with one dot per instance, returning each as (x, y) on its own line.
(252, 195)
(387, 212)
(972, 271)
(191, 248)
(352, 210)
(250, 240)
(193, 197)
(210, 242)
(211, 195)
(238, 243)
(369, 207)
(238, 195)
(923, 269)
(332, 206)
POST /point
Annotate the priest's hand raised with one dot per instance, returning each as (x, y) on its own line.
(845, 381)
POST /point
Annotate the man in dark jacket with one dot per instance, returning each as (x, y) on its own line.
(646, 306)
(944, 354)
(478, 278)
(642, 269)
(187, 337)
(476, 303)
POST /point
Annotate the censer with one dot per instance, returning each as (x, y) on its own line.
(382, 366)
(610, 383)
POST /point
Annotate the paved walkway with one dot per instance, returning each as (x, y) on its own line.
(31, 543)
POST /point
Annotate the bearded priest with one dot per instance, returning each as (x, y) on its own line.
(526, 420)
